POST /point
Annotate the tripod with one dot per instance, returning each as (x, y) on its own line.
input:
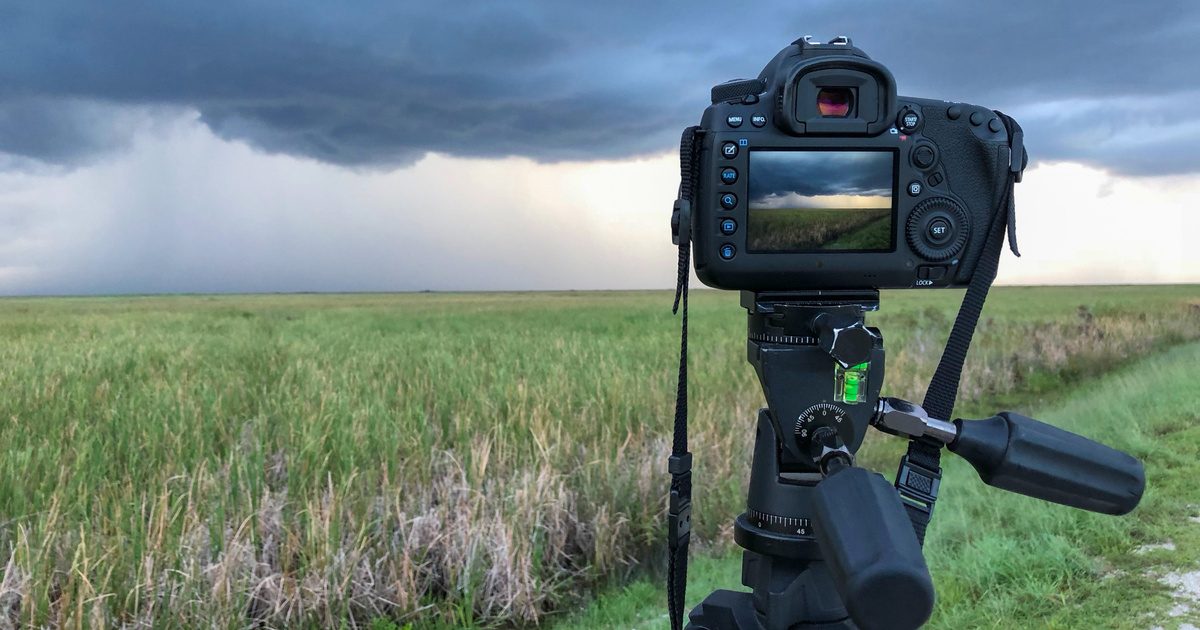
(830, 546)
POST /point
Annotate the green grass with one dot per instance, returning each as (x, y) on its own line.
(820, 228)
(1001, 560)
(429, 459)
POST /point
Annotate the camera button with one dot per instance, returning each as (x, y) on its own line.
(758, 120)
(729, 201)
(977, 118)
(734, 120)
(727, 251)
(954, 112)
(908, 120)
(728, 226)
(728, 176)
(924, 156)
(994, 125)
(914, 188)
(729, 150)
(939, 231)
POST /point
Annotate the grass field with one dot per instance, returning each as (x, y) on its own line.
(1001, 560)
(438, 459)
(819, 228)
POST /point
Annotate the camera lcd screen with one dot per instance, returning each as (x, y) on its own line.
(806, 201)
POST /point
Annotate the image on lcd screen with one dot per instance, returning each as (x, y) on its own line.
(820, 201)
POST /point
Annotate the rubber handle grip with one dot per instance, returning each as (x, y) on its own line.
(872, 552)
(1022, 455)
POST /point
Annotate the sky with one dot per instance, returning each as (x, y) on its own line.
(391, 146)
(820, 179)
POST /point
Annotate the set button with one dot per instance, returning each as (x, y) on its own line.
(729, 150)
(727, 251)
(729, 176)
(939, 231)
(728, 226)
(729, 201)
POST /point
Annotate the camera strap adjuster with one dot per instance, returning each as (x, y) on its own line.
(679, 511)
(918, 485)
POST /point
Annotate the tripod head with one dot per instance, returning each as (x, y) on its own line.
(830, 543)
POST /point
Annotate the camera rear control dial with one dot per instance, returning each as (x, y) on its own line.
(938, 229)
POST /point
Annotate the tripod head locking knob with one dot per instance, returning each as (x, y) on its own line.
(828, 451)
(844, 337)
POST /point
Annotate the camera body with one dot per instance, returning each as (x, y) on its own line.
(816, 175)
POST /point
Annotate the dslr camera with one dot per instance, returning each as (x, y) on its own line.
(817, 175)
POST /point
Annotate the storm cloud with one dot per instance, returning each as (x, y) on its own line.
(781, 174)
(382, 84)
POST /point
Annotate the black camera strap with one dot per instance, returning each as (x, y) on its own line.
(679, 510)
(920, 470)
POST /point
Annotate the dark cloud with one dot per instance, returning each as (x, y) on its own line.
(384, 83)
(813, 173)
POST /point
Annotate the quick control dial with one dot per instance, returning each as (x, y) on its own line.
(938, 229)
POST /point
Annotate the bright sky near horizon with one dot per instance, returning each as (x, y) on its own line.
(196, 149)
